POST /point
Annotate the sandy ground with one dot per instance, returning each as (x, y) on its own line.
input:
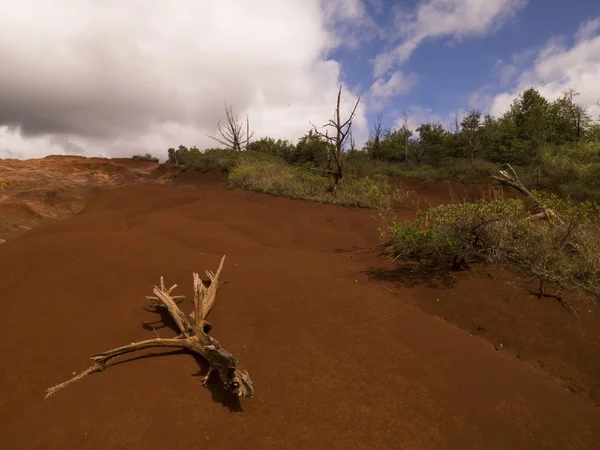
(337, 360)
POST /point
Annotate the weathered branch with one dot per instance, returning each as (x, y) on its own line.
(193, 337)
(513, 181)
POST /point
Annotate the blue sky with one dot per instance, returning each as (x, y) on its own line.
(450, 70)
(122, 77)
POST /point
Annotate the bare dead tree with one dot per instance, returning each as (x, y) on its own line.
(352, 143)
(231, 133)
(193, 336)
(375, 137)
(456, 123)
(247, 132)
(407, 133)
(342, 131)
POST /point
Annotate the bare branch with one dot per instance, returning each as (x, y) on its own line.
(194, 338)
(513, 181)
(231, 132)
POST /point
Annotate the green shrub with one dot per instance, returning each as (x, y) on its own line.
(279, 147)
(194, 159)
(450, 168)
(146, 157)
(565, 250)
(574, 170)
(276, 177)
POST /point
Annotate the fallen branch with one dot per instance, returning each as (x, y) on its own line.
(512, 180)
(193, 337)
(389, 290)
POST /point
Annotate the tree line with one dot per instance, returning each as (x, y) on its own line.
(518, 137)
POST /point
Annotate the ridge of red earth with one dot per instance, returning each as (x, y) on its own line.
(37, 191)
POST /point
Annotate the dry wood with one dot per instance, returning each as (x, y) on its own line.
(231, 133)
(512, 180)
(342, 131)
(193, 337)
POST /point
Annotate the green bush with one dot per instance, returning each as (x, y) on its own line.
(573, 169)
(451, 168)
(146, 157)
(278, 178)
(279, 147)
(565, 250)
(209, 159)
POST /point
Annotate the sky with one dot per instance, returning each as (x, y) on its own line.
(121, 77)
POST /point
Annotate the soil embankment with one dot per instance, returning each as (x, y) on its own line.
(38, 191)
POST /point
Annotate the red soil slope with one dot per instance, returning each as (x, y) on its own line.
(337, 361)
(36, 191)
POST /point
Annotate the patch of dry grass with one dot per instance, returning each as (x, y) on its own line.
(278, 178)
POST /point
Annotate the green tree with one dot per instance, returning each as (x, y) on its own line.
(471, 134)
(279, 147)
(568, 120)
(592, 134)
(531, 113)
(431, 143)
(311, 149)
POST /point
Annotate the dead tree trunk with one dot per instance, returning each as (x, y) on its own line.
(193, 329)
(406, 132)
(375, 137)
(342, 131)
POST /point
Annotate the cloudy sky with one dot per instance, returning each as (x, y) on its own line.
(118, 77)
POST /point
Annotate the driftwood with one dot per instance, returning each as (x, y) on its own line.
(512, 180)
(193, 337)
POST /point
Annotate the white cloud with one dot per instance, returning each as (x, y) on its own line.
(382, 91)
(125, 77)
(349, 23)
(559, 67)
(456, 19)
(588, 30)
(505, 72)
(481, 99)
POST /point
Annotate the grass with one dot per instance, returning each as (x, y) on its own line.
(497, 230)
(273, 176)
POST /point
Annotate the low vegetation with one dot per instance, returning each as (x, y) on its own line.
(146, 157)
(210, 159)
(564, 249)
(277, 177)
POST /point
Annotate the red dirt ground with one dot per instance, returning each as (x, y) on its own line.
(337, 361)
(38, 191)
